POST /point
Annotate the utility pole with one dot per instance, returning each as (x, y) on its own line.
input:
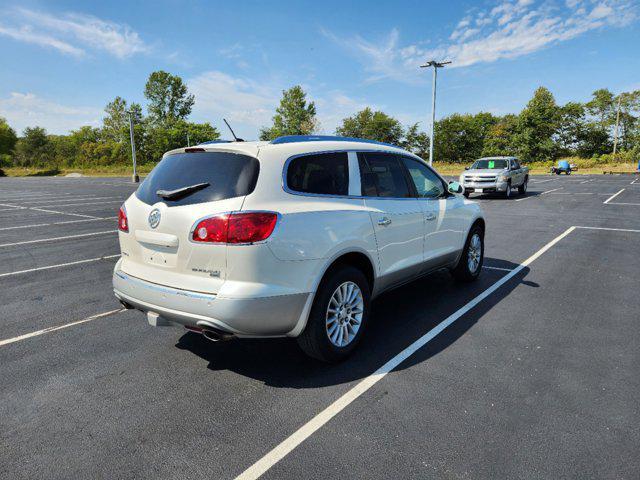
(436, 66)
(134, 178)
(615, 134)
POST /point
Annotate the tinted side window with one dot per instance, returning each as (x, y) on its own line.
(324, 173)
(516, 164)
(428, 184)
(383, 176)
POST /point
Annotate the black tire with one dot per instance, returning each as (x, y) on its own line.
(507, 192)
(314, 340)
(462, 272)
(466, 194)
(522, 189)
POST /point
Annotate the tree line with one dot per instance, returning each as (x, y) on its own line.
(543, 131)
(164, 127)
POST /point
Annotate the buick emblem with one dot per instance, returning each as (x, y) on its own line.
(154, 218)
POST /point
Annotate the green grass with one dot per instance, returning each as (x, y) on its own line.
(104, 171)
(585, 166)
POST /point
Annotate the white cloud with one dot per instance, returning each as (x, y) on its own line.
(380, 59)
(26, 34)
(510, 29)
(250, 105)
(29, 110)
(239, 100)
(72, 33)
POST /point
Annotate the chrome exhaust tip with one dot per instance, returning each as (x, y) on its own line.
(214, 334)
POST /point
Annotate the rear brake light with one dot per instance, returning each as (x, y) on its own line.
(123, 223)
(248, 227)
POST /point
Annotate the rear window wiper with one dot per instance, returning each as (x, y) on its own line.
(181, 192)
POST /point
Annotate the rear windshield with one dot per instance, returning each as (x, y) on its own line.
(228, 174)
(491, 164)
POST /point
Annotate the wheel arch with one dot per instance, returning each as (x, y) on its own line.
(356, 258)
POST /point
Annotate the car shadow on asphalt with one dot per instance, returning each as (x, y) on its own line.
(400, 317)
(498, 196)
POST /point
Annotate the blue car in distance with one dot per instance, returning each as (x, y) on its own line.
(562, 167)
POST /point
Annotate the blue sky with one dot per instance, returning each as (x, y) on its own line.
(63, 61)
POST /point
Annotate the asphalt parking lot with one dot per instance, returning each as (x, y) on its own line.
(536, 374)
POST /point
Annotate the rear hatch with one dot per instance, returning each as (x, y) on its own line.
(161, 215)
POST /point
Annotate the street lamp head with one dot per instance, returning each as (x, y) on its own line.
(435, 64)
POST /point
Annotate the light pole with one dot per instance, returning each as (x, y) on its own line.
(134, 178)
(436, 66)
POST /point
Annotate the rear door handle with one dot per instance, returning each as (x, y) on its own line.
(384, 221)
(430, 216)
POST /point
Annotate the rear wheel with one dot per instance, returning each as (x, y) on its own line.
(338, 316)
(522, 189)
(470, 263)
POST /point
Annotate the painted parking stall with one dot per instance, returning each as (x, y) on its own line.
(537, 361)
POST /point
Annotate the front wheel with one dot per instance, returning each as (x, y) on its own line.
(507, 192)
(338, 316)
(470, 263)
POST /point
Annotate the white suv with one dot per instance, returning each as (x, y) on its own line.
(292, 237)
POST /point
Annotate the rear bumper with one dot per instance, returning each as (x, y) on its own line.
(251, 317)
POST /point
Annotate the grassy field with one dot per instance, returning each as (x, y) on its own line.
(585, 166)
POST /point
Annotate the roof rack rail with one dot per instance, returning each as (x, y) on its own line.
(215, 141)
(324, 138)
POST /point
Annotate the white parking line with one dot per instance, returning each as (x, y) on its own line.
(587, 181)
(30, 195)
(610, 229)
(57, 223)
(542, 181)
(60, 265)
(613, 196)
(59, 327)
(83, 203)
(57, 238)
(45, 210)
(74, 199)
(61, 213)
(49, 196)
(622, 203)
(543, 193)
(308, 429)
(498, 268)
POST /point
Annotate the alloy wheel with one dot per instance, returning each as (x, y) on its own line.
(344, 314)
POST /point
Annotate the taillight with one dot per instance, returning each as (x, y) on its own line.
(123, 223)
(248, 227)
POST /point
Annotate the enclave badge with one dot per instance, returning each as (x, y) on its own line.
(154, 218)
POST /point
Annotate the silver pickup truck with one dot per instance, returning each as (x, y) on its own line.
(495, 175)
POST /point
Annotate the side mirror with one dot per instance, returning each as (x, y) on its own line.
(455, 187)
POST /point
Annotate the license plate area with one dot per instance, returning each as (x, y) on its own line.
(478, 190)
(159, 256)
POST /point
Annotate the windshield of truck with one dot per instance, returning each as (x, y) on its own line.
(490, 164)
